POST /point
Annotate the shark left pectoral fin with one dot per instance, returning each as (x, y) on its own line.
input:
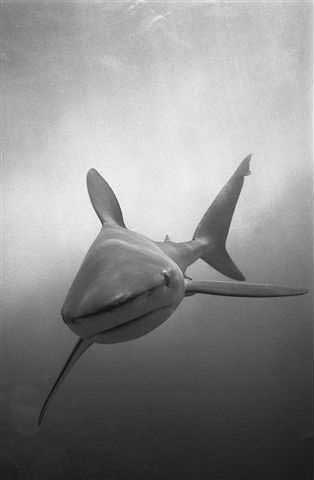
(80, 347)
(235, 289)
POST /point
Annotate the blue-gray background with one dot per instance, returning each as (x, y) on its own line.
(165, 99)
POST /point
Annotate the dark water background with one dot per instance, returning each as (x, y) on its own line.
(164, 99)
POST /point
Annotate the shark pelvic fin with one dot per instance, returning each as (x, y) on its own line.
(234, 289)
(214, 226)
(103, 199)
(80, 347)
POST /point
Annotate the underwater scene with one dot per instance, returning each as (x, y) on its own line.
(196, 120)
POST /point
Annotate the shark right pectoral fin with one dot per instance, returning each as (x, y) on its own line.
(234, 289)
(80, 347)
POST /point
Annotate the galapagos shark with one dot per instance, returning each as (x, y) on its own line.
(128, 285)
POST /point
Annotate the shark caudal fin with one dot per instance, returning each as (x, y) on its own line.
(103, 199)
(215, 224)
(80, 347)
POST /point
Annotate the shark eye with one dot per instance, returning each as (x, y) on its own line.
(166, 277)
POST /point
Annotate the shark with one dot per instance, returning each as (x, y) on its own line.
(128, 284)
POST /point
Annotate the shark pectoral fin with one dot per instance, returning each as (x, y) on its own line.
(232, 289)
(103, 199)
(80, 347)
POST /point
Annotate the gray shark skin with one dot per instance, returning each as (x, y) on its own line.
(128, 285)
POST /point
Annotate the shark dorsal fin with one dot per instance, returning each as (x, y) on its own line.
(103, 199)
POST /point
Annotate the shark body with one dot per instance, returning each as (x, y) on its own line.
(128, 285)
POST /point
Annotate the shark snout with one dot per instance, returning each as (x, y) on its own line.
(96, 297)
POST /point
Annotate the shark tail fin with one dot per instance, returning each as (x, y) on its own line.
(103, 199)
(80, 347)
(214, 226)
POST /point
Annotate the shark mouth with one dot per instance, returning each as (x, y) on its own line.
(119, 302)
(132, 320)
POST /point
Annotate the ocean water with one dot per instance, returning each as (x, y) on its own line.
(164, 99)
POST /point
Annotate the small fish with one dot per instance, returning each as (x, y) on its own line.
(128, 285)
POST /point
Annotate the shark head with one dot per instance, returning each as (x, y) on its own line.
(124, 278)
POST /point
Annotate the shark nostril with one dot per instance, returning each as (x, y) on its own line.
(167, 277)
